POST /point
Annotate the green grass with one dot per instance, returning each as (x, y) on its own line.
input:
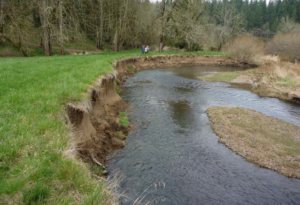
(123, 119)
(131, 68)
(286, 82)
(223, 77)
(33, 134)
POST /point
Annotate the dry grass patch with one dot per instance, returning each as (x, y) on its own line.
(264, 140)
(223, 77)
(279, 79)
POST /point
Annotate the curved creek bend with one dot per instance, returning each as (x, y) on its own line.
(177, 159)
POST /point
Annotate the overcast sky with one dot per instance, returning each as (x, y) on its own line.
(160, 0)
(154, 1)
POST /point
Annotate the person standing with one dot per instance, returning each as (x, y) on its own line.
(143, 49)
(147, 49)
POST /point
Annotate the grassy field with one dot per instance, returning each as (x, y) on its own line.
(34, 136)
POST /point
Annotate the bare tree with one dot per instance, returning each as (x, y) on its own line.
(100, 30)
(1, 20)
(232, 24)
(61, 26)
(44, 16)
(15, 24)
(185, 22)
(165, 16)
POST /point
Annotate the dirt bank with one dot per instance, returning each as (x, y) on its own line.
(96, 128)
(263, 140)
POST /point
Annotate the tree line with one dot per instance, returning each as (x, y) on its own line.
(125, 24)
(260, 18)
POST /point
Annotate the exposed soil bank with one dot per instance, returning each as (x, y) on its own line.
(96, 127)
(263, 140)
(273, 79)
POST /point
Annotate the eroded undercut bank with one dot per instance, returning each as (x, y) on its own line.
(96, 127)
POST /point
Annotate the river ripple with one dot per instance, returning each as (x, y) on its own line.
(177, 159)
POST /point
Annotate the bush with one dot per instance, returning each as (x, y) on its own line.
(285, 45)
(287, 25)
(246, 48)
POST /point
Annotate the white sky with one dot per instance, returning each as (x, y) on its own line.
(154, 1)
(160, 0)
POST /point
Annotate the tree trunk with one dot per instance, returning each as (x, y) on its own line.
(98, 37)
(1, 20)
(161, 42)
(45, 27)
(116, 41)
(161, 37)
(101, 26)
(61, 22)
(50, 43)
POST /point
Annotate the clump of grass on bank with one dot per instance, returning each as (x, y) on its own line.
(34, 136)
(123, 119)
(264, 140)
(221, 77)
(131, 68)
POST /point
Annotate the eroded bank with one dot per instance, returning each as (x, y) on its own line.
(95, 121)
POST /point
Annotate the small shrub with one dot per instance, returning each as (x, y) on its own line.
(246, 48)
(286, 45)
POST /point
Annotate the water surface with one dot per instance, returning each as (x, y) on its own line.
(177, 159)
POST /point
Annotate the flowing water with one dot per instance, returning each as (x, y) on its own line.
(177, 159)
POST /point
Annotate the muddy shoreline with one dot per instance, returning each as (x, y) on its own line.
(95, 122)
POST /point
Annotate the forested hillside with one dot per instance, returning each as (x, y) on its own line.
(47, 27)
(260, 18)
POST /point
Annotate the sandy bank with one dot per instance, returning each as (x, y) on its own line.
(95, 122)
(263, 140)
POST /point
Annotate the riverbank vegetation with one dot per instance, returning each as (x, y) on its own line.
(35, 167)
(263, 140)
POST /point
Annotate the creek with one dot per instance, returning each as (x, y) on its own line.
(173, 156)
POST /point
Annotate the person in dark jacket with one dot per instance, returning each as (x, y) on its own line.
(143, 49)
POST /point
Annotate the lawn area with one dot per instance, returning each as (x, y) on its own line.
(34, 136)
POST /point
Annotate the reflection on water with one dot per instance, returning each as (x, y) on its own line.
(177, 159)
